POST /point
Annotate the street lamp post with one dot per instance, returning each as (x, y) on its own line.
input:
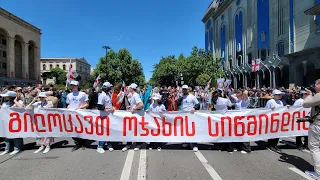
(107, 73)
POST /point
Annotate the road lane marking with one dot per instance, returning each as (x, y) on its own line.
(125, 175)
(300, 173)
(142, 171)
(209, 168)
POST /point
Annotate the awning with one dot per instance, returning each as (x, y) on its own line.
(315, 10)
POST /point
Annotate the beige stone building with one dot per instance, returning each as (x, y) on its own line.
(81, 66)
(19, 51)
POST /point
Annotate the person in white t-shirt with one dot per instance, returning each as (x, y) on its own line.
(156, 106)
(12, 99)
(77, 100)
(105, 104)
(136, 104)
(189, 103)
(221, 102)
(272, 104)
(299, 103)
(44, 142)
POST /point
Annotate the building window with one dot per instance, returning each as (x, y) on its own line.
(239, 58)
(230, 64)
(250, 58)
(263, 36)
(50, 66)
(58, 66)
(64, 67)
(263, 54)
(44, 67)
(4, 42)
(4, 65)
(281, 49)
(4, 54)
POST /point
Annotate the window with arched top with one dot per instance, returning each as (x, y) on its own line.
(44, 67)
(50, 66)
(58, 66)
(64, 67)
(263, 54)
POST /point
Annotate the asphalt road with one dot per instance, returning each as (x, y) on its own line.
(172, 163)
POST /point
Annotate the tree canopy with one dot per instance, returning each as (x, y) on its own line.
(118, 67)
(196, 69)
(57, 73)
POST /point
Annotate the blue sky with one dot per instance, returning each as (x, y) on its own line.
(149, 29)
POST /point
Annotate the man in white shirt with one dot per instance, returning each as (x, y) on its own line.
(135, 105)
(105, 104)
(299, 103)
(77, 100)
(189, 103)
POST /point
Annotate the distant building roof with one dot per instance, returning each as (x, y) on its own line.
(65, 59)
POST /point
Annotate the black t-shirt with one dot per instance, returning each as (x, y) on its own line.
(164, 94)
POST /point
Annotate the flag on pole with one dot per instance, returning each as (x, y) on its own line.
(255, 65)
(72, 74)
(208, 85)
(96, 82)
(124, 87)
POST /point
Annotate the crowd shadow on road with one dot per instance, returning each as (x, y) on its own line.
(296, 161)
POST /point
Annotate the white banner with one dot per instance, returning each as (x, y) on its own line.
(201, 126)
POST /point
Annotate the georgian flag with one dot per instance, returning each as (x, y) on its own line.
(255, 65)
(72, 74)
(124, 87)
(96, 82)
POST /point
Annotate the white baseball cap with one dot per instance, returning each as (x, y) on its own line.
(43, 94)
(76, 83)
(9, 94)
(133, 86)
(276, 92)
(106, 85)
(185, 87)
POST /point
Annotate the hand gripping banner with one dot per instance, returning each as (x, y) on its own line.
(201, 126)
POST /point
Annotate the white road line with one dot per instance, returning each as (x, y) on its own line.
(125, 175)
(142, 171)
(209, 168)
(300, 173)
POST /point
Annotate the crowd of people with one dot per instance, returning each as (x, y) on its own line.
(149, 99)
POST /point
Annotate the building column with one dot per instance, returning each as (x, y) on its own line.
(37, 61)
(274, 78)
(25, 60)
(10, 57)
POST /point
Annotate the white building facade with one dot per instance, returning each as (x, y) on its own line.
(80, 65)
(278, 32)
(19, 51)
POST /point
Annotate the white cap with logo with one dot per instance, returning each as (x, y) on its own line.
(76, 83)
(185, 87)
(106, 85)
(276, 92)
(133, 86)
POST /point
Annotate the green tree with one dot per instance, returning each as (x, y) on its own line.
(202, 79)
(165, 72)
(59, 74)
(120, 67)
(198, 67)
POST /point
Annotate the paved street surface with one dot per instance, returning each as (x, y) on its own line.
(173, 162)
